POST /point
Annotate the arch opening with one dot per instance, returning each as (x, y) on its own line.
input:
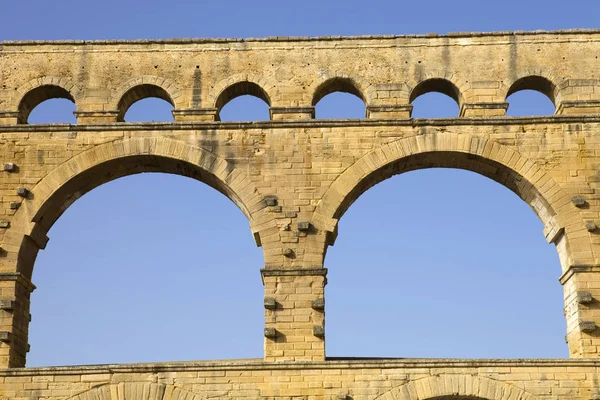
(340, 105)
(435, 98)
(242, 89)
(531, 95)
(458, 160)
(339, 98)
(141, 92)
(53, 207)
(150, 109)
(439, 250)
(145, 264)
(45, 94)
(245, 108)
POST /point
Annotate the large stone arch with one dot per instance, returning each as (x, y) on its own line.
(481, 155)
(456, 385)
(136, 391)
(89, 169)
(543, 81)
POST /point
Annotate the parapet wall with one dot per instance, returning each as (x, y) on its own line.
(292, 74)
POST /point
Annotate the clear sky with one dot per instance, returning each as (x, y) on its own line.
(432, 263)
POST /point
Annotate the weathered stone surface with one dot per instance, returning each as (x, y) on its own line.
(294, 177)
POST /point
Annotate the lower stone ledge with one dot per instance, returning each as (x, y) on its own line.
(329, 363)
(195, 114)
(96, 117)
(483, 110)
(282, 113)
(573, 107)
(390, 111)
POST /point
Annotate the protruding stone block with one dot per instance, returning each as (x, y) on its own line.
(7, 304)
(14, 205)
(303, 226)
(318, 304)
(4, 224)
(271, 201)
(22, 191)
(584, 297)
(10, 167)
(579, 201)
(587, 326)
(288, 252)
(319, 331)
(5, 336)
(270, 333)
(270, 303)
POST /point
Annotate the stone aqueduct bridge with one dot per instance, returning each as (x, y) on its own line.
(294, 177)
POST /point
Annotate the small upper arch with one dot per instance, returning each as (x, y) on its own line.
(41, 89)
(239, 85)
(439, 85)
(237, 89)
(342, 84)
(537, 83)
(143, 87)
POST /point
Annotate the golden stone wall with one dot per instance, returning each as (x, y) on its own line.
(294, 177)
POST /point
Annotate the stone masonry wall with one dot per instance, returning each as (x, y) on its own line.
(294, 177)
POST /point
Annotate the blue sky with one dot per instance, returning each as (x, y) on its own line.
(432, 263)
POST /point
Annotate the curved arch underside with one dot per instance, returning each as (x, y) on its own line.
(36, 96)
(240, 89)
(340, 84)
(450, 150)
(456, 386)
(446, 159)
(438, 85)
(138, 93)
(55, 193)
(136, 391)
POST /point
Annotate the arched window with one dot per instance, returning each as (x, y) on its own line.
(435, 98)
(243, 101)
(134, 273)
(145, 103)
(339, 98)
(532, 95)
(47, 104)
(450, 260)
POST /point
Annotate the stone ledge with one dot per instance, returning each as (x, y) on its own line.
(17, 277)
(305, 123)
(575, 269)
(265, 272)
(331, 363)
(430, 35)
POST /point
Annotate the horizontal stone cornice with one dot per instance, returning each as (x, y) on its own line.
(328, 123)
(331, 363)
